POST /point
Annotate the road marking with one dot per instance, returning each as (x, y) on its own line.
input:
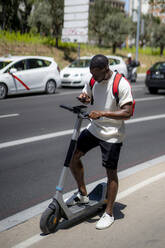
(35, 138)
(140, 185)
(120, 196)
(67, 132)
(147, 118)
(149, 98)
(29, 241)
(8, 115)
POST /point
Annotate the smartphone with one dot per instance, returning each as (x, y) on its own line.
(81, 99)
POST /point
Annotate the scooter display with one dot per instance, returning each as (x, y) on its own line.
(58, 208)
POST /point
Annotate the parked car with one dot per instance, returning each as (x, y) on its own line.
(155, 77)
(74, 74)
(26, 74)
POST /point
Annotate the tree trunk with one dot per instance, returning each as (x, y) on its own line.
(161, 50)
(56, 42)
(100, 41)
(114, 48)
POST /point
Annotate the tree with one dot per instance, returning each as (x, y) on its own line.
(158, 36)
(108, 25)
(40, 19)
(57, 13)
(116, 29)
(97, 14)
(149, 22)
(47, 17)
(10, 18)
(15, 14)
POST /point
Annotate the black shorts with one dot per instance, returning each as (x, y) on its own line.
(110, 151)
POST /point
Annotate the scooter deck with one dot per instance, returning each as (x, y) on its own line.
(97, 198)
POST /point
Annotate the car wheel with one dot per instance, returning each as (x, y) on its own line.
(50, 87)
(153, 90)
(3, 91)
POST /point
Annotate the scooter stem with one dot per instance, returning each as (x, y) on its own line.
(70, 153)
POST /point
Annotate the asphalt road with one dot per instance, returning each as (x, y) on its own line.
(29, 172)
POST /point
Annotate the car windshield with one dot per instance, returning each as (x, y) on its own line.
(80, 63)
(4, 63)
(113, 61)
(159, 66)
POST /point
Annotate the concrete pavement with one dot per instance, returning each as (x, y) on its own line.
(139, 220)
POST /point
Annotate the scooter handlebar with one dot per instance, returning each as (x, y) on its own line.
(67, 107)
(77, 110)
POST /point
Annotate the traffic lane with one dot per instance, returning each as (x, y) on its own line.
(150, 107)
(34, 100)
(144, 141)
(30, 172)
(38, 114)
(43, 117)
(38, 118)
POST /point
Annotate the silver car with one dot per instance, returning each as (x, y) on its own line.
(27, 74)
(74, 74)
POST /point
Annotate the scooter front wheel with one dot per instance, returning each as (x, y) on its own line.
(50, 219)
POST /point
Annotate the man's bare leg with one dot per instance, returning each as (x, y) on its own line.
(112, 188)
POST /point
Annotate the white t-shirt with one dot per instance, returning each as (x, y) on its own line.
(108, 129)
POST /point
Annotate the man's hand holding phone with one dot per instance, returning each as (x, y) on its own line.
(84, 98)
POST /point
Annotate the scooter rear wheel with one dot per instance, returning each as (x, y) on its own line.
(50, 219)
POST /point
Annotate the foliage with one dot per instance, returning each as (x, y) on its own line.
(6, 36)
(108, 25)
(47, 18)
(97, 13)
(40, 20)
(158, 37)
(116, 29)
(15, 14)
(149, 22)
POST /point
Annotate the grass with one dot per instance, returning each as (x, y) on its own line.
(15, 43)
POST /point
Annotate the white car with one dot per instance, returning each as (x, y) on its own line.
(26, 74)
(74, 74)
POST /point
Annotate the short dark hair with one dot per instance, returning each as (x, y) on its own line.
(99, 61)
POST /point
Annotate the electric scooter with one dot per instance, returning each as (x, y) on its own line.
(58, 208)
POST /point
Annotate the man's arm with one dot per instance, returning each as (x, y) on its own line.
(124, 113)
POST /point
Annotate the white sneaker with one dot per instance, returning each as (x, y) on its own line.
(105, 221)
(77, 198)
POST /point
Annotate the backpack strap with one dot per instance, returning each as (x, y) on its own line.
(116, 82)
(91, 84)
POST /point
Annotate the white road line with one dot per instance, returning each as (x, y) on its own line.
(8, 115)
(29, 241)
(67, 132)
(149, 98)
(147, 118)
(34, 139)
(120, 196)
(140, 185)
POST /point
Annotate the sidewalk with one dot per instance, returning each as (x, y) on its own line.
(139, 220)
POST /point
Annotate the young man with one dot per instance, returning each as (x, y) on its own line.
(105, 130)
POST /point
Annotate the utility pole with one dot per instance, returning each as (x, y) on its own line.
(138, 30)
